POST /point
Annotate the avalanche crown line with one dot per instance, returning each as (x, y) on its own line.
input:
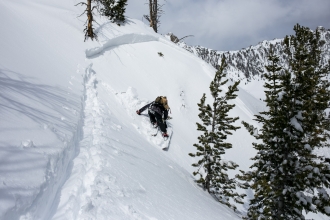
(121, 40)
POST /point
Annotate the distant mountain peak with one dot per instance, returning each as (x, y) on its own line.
(248, 62)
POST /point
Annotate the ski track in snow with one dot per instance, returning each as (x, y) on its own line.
(91, 177)
(83, 188)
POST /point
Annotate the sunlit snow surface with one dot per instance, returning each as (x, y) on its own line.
(71, 144)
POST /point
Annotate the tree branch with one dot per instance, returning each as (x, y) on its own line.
(186, 37)
(82, 13)
(81, 3)
(146, 17)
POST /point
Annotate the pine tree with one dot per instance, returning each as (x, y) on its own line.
(264, 177)
(308, 128)
(114, 10)
(216, 125)
(288, 177)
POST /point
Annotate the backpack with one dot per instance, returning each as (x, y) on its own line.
(163, 101)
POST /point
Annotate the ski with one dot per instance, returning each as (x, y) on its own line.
(163, 142)
(167, 141)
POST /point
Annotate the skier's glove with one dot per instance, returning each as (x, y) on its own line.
(138, 112)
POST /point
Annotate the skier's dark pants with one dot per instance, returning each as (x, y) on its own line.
(157, 117)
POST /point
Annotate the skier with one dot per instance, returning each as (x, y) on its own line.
(156, 111)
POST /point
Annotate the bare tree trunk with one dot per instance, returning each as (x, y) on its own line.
(151, 13)
(155, 16)
(207, 184)
(89, 31)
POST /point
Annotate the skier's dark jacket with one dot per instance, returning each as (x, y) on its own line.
(155, 107)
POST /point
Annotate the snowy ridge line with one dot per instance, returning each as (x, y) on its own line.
(121, 40)
(250, 62)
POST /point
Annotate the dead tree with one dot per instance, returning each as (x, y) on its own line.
(89, 30)
(155, 12)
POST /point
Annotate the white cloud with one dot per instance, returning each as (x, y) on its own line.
(233, 24)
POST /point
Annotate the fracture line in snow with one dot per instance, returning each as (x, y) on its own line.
(121, 40)
(134, 38)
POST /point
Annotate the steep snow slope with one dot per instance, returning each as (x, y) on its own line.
(68, 117)
(121, 171)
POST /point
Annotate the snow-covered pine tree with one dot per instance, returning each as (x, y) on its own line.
(216, 125)
(265, 176)
(309, 126)
(113, 9)
(289, 178)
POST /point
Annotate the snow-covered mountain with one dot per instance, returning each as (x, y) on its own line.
(249, 62)
(71, 145)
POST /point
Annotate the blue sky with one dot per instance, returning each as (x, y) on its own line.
(235, 24)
